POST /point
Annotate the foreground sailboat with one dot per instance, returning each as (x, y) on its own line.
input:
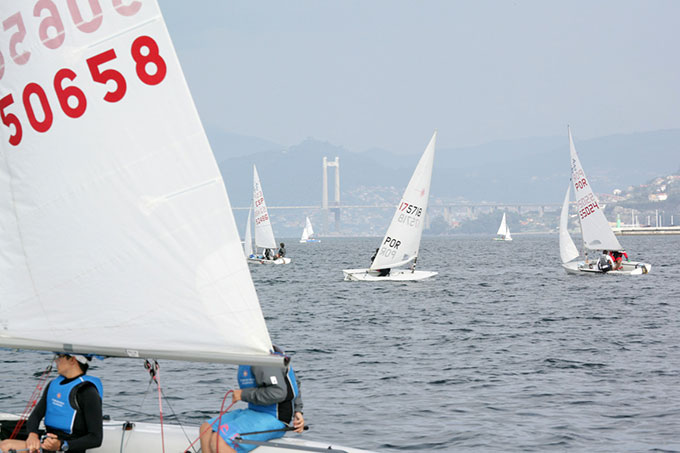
(401, 243)
(117, 236)
(265, 244)
(596, 233)
(503, 233)
(308, 233)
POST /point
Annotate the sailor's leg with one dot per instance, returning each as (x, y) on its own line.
(222, 445)
(206, 435)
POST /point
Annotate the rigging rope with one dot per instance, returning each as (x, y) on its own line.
(154, 372)
(33, 400)
(174, 414)
(219, 423)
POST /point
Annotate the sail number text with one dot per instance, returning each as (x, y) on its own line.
(586, 206)
(409, 214)
(262, 218)
(410, 209)
(579, 178)
(580, 183)
(389, 247)
(72, 100)
(50, 28)
(260, 209)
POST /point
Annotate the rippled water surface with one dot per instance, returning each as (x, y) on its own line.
(503, 351)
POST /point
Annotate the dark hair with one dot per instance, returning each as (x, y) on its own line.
(83, 366)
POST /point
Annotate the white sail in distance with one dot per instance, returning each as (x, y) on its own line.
(568, 250)
(264, 235)
(597, 234)
(117, 235)
(503, 229)
(308, 231)
(402, 240)
(308, 227)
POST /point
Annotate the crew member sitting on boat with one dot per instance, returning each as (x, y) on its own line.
(274, 401)
(282, 252)
(617, 257)
(381, 272)
(605, 262)
(72, 408)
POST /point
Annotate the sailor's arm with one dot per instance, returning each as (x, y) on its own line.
(270, 386)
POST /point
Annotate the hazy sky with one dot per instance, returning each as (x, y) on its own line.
(386, 73)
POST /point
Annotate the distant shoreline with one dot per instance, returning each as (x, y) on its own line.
(646, 230)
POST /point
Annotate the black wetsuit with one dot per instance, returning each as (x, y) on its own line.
(87, 426)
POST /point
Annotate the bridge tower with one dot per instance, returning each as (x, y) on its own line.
(324, 197)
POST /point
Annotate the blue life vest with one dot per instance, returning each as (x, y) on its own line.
(282, 410)
(61, 413)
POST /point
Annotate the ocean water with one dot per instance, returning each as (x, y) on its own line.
(502, 351)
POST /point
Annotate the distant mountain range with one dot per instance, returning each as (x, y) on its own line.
(532, 170)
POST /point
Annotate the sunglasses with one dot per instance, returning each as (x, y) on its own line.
(63, 356)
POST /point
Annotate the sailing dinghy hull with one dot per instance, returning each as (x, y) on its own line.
(629, 268)
(129, 437)
(263, 261)
(396, 275)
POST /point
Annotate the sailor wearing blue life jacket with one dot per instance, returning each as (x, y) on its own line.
(274, 401)
(72, 408)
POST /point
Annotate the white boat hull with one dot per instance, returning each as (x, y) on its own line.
(304, 241)
(136, 437)
(396, 275)
(629, 268)
(263, 261)
(503, 239)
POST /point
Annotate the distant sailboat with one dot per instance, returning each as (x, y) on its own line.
(308, 233)
(402, 241)
(265, 244)
(596, 233)
(503, 233)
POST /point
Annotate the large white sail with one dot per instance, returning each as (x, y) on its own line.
(402, 241)
(248, 236)
(568, 250)
(597, 234)
(264, 235)
(116, 232)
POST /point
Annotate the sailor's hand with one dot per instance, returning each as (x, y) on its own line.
(298, 422)
(33, 442)
(236, 396)
(51, 443)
